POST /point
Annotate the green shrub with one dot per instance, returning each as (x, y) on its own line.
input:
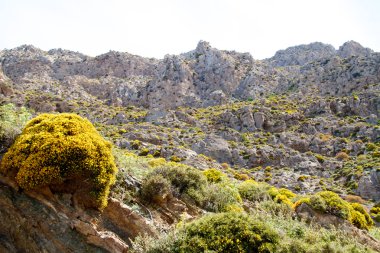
(241, 176)
(12, 120)
(65, 152)
(155, 189)
(184, 180)
(371, 146)
(320, 158)
(253, 191)
(144, 152)
(318, 203)
(224, 232)
(175, 158)
(135, 144)
(288, 193)
(302, 178)
(295, 237)
(221, 198)
(279, 208)
(375, 212)
(157, 153)
(273, 192)
(330, 202)
(281, 198)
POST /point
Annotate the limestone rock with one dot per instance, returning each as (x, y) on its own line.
(369, 186)
(215, 147)
(353, 48)
(259, 119)
(299, 55)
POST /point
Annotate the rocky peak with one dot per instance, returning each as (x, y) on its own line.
(28, 48)
(302, 54)
(353, 48)
(59, 54)
(202, 47)
(119, 64)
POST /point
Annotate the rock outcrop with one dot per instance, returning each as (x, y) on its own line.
(353, 48)
(369, 186)
(43, 222)
(302, 54)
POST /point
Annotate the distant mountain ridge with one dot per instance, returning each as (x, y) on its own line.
(202, 77)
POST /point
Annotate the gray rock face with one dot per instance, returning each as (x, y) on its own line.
(215, 147)
(353, 48)
(5, 85)
(259, 119)
(369, 186)
(24, 226)
(337, 76)
(302, 54)
(247, 120)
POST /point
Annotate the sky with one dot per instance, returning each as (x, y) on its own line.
(154, 28)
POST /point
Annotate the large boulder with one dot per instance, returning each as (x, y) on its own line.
(214, 147)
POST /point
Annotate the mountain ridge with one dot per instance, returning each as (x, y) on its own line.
(202, 77)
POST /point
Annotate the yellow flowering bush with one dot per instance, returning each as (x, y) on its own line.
(64, 152)
(214, 175)
(360, 217)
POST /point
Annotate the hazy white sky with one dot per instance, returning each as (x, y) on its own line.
(153, 28)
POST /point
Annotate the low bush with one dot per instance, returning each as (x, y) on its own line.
(183, 180)
(360, 217)
(254, 191)
(135, 144)
(155, 189)
(221, 197)
(214, 175)
(223, 232)
(331, 203)
(320, 158)
(342, 156)
(281, 198)
(375, 212)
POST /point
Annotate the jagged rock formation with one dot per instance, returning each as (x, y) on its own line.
(202, 77)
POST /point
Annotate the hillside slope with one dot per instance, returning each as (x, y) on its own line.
(306, 120)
